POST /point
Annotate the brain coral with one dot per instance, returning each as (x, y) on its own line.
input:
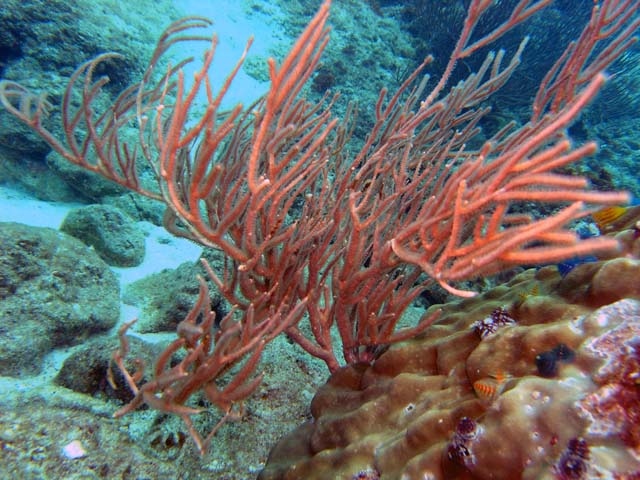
(554, 394)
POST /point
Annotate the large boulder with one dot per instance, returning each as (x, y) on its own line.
(113, 234)
(54, 291)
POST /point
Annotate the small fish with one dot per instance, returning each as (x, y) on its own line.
(565, 267)
(608, 215)
(569, 264)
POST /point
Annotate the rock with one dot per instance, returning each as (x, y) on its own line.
(86, 183)
(86, 369)
(114, 236)
(166, 297)
(54, 291)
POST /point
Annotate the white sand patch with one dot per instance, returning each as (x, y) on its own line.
(234, 23)
(18, 206)
(162, 250)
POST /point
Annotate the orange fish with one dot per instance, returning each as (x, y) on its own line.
(608, 215)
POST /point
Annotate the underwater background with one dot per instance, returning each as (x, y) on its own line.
(79, 256)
